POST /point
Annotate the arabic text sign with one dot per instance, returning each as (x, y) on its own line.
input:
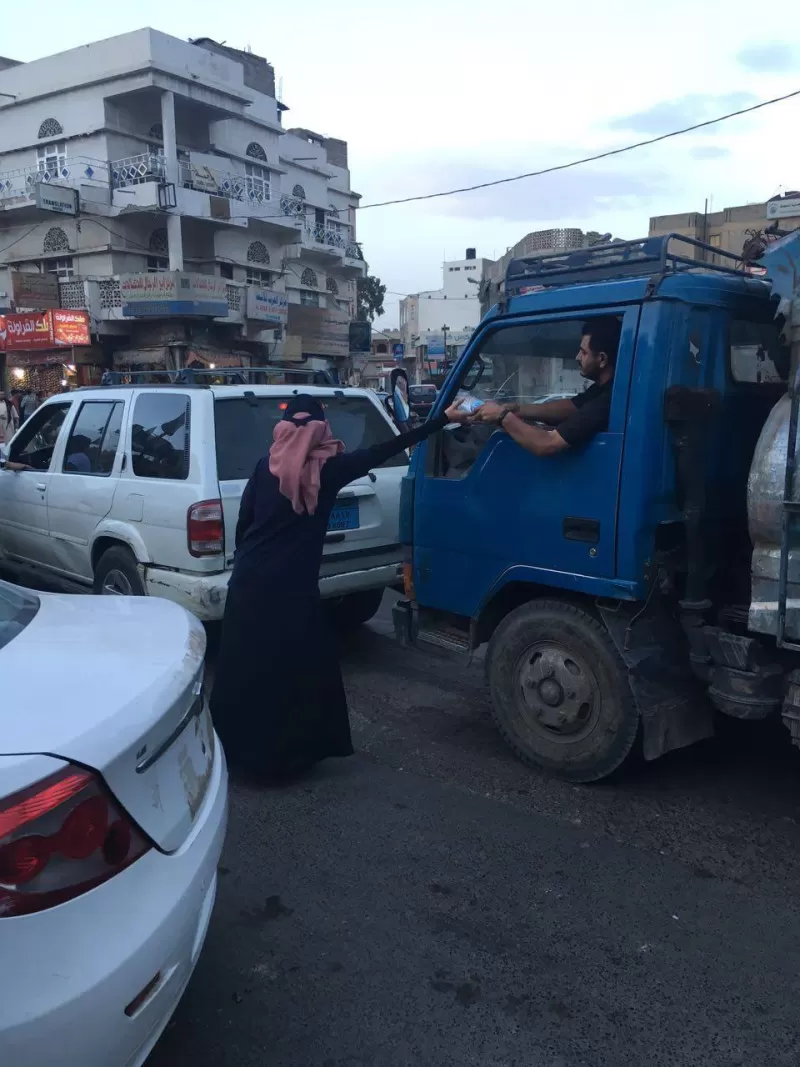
(324, 333)
(266, 306)
(70, 328)
(33, 330)
(173, 293)
(34, 290)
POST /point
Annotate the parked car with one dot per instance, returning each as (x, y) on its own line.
(113, 808)
(421, 399)
(136, 490)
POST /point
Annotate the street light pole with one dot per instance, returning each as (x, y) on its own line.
(444, 331)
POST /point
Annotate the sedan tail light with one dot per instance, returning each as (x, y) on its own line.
(59, 839)
(205, 528)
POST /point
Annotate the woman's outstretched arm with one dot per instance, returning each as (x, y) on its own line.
(348, 466)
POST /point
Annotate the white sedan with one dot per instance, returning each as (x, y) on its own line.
(113, 807)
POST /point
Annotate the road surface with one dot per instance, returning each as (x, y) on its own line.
(433, 902)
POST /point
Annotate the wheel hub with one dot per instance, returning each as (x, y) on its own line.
(116, 584)
(559, 693)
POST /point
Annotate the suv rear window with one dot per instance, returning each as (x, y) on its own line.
(160, 436)
(17, 608)
(244, 429)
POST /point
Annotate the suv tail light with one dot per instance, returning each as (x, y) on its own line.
(59, 839)
(205, 528)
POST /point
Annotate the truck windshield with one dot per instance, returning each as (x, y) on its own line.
(17, 608)
(244, 428)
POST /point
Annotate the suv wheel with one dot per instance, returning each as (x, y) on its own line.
(117, 574)
(351, 611)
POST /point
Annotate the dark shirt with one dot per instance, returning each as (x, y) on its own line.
(591, 416)
(281, 550)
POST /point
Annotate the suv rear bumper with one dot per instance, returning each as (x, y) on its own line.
(205, 595)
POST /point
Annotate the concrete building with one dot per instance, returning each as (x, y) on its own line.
(134, 166)
(536, 243)
(436, 323)
(731, 228)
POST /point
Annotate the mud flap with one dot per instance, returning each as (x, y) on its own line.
(673, 706)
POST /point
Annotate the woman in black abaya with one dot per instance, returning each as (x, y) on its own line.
(278, 700)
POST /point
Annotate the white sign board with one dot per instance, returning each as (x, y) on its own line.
(788, 208)
(58, 198)
(173, 293)
(267, 306)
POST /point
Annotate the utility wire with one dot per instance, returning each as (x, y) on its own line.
(586, 159)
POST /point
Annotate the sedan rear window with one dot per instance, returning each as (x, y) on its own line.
(17, 608)
(244, 428)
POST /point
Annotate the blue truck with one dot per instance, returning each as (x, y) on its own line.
(630, 590)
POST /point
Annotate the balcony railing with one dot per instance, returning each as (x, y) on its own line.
(152, 167)
(353, 251)
(73, 294)
(79, 170)
(321, 234)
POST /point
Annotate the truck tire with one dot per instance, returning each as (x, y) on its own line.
(117, 574)
(560, 692)
(353, 610)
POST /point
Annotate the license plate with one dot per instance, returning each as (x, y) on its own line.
(344, 516)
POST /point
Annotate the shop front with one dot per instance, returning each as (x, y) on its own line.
(48, 351)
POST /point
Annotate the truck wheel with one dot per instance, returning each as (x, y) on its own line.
(116, 574)
(560, 692)
(353, 610)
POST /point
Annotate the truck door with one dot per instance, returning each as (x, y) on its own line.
(487, 511)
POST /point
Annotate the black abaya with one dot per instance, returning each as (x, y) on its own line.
(278, 700)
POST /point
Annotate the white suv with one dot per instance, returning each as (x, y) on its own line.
(136, 490)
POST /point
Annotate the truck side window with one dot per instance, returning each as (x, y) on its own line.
(757, 354)
(526, 364)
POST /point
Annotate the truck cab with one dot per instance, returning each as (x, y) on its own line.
(605, 579)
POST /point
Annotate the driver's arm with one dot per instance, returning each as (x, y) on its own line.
(12, 465)
(552, 412)
(533, 438)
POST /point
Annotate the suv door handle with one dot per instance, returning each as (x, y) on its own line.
(41, 486)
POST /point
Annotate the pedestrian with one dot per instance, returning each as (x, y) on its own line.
(278, 700)
(9, 419)
(28, 404)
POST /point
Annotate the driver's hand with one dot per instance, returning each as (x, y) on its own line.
(455, 414)
(490, 412)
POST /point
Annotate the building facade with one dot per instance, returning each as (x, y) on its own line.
(135, 169)
(437, 323)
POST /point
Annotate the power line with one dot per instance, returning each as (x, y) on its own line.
(586, 159)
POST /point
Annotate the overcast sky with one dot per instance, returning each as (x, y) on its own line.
(432, 94)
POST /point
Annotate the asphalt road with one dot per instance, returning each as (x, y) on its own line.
(432, 902)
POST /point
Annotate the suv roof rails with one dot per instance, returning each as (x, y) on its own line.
(621, 259)
(233, 376)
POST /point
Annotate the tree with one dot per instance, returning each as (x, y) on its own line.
(370, 294)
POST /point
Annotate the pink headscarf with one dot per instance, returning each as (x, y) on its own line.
(299, 452)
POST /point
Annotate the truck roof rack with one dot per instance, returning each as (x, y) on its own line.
(231, 376)
(621, 259)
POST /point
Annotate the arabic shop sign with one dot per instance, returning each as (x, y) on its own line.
(36, 330)
(266, 306)
(173, 292)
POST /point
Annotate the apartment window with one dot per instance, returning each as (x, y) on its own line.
(155, 264)
(226, 271)
(309, 299)
(63, 268)
(50, 158)
(50, 128)
(259, 277)
(257, 181)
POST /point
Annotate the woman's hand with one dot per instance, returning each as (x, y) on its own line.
(455, 414)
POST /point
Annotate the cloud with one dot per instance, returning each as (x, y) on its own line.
(584, 191)
(709, 151)
(771, 58)
(686, 111)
